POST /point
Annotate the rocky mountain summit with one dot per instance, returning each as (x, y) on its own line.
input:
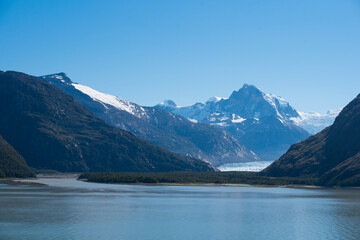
(261, 121)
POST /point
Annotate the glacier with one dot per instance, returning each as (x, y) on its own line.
(247, 166)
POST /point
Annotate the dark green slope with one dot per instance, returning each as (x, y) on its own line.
(332, 155)
(12, 164)
(52, 130)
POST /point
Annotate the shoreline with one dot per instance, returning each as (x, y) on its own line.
(241, 179)
(26, 182)
(20, 182)
(219, 185)
(299, 186)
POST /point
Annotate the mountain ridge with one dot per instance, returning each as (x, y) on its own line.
(52, 130)
(259, 120)
(158, 126)
(312, 122)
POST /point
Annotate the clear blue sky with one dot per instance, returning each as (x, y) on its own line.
(307, 52)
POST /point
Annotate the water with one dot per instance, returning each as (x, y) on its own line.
(246, 166)
(70, 209)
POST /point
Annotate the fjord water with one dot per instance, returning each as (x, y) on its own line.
(71, 209)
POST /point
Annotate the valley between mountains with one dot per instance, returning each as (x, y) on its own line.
(51, 122)
(250, 125)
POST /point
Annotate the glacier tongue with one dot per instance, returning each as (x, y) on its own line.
(247, 166)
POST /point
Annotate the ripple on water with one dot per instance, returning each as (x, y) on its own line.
(69, 209)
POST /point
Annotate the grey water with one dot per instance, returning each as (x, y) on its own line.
(71, 209)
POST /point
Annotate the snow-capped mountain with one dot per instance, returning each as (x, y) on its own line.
(315, 122)
(158, 126)
(51, 130)
(249, 102)
(263, 122)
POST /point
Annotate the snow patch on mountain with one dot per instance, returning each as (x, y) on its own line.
(215, 99)
(60, 76)
(111, 100)
(237, 119)
(168, 103)
(193, 120)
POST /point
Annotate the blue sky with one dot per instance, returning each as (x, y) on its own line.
(307, 52)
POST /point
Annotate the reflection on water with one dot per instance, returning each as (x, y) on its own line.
(70, 209)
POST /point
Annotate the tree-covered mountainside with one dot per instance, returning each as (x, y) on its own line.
(12, 164)
(333, 155)
(51, 130)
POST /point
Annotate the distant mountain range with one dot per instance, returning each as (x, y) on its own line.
(51, 130)
(263, 122)
(50, 122)
(310, 121)
(315, 122)
(333, 155)
(163, 128)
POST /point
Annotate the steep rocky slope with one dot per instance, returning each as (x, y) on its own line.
(333, 155)
(51, 130)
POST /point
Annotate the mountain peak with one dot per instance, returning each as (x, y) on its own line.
(61, 76)
(168, 103)
(246, 90)
(249, 86)
(214, 99)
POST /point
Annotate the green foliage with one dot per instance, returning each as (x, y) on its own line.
(12, 163)
(46, 171)
(195, 178)
(2, 174)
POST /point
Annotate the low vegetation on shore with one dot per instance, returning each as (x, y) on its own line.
(250, 178)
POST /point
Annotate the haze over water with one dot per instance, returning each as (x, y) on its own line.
(70, 209)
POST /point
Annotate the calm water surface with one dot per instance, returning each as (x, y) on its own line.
(70, 209)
